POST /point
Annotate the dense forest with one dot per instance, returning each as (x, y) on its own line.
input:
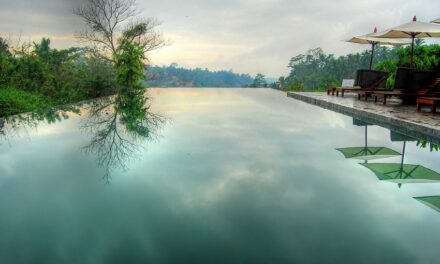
(35, 76)
(316, 70)
(174, 76)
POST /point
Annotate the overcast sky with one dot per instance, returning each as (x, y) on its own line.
(248, 36)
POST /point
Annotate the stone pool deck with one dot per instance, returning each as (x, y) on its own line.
(402, 119)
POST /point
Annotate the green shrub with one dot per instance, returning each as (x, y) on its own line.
(14, 101)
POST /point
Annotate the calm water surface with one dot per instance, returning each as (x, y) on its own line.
(229, 176)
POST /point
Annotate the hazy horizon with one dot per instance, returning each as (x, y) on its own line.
(243, 36)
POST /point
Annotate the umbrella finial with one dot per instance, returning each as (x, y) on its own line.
(375, 29)
(415, 18)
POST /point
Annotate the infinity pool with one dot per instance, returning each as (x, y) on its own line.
(225, 176)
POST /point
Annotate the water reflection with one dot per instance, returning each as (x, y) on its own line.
(366, 152)
(430, 201)
(18, 125)
(118, 126)
(400, 173)
(242, 177)
(422, 143)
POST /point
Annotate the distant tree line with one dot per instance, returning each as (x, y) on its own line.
(316, 70)
(174, 76)
(258, 82)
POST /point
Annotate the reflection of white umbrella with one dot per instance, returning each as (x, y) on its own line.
(436, 21)
(373, 41)
(403, 173)
(431, 201)
(412, 30)
(367, 153)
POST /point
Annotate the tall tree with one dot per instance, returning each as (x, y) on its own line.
(109, 22)
(259, 81)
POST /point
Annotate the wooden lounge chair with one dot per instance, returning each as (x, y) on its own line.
(346, 84)
(433, 102)
(402, 83)
(420, 88)
(365, 80)
(406, 96)
(377, 87)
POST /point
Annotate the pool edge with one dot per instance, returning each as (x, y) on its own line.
(402, 126)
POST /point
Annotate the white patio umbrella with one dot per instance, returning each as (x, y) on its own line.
(412, 30)
(436, 21)
(374, 41)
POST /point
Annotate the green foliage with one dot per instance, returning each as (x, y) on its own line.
(63, 76)
(259, 82)
(98, 77)
(174, 76)
(295, 86)
(425, 58)
(4, 47)
(130, 102)
(389, 66)
(13, 101)
(130, 68)
(421, 143)
(316, 70)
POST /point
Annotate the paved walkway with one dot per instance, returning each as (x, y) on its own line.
(402, 119)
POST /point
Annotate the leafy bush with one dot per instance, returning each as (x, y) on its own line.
(13, 101)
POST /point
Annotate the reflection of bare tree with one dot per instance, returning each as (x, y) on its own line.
(118, 130)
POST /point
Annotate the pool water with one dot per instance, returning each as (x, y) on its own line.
(226, 176)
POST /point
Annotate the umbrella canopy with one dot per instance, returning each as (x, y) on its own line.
(431, 201)
(370, 39)
(403, 173)
(412, 30)
(436, 21)
(368, 153)
(373, 41)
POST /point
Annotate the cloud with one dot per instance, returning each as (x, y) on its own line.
(243, 35)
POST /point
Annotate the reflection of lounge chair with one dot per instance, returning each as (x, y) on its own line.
(419, 84)
(365, 80)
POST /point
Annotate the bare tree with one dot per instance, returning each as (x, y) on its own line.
(109, 22)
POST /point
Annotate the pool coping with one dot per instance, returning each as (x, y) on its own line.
(406, 127)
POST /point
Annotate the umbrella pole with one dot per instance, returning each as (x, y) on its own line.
(373, 46)
(401, 164)
(412, 50)
(366, 141)
(366, 137)
(403, 155)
